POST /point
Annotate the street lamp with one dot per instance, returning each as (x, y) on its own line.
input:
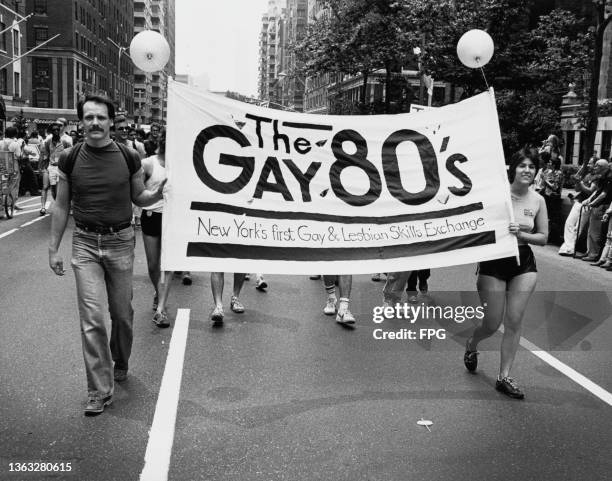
(120, 51)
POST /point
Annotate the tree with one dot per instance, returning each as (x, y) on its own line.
(530, 69)
(602, 20)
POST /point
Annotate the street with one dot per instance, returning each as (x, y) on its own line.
(282, 392)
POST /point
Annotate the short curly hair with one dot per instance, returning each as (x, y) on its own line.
(516, 159)
(100, 99)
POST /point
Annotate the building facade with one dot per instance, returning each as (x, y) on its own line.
(150, 87)
(85, 55)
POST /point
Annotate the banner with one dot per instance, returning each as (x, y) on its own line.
(252, 189)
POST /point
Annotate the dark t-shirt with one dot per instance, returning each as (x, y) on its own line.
(100, 184)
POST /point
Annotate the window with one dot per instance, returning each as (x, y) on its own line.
(41, 98)
(40, 7)
(16, 43)
(17, 86)
(41, 34)
(3, 82)
(76, 40)
(3, 37)
(76, 11)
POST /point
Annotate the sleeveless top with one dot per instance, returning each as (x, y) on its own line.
(157, 176)
(525, 210)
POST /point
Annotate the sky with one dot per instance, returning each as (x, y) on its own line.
(220, 38)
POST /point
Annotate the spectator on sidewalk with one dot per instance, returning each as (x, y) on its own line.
(578, 217)
(598, 203)
(52, 147)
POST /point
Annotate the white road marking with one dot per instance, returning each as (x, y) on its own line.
(563, 368)
(32, 221)
(22, 212)
(8, 232)
(161, 435)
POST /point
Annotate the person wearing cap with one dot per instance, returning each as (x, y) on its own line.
(51, 149)
(65, 136)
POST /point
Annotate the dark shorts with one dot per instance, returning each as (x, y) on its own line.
(151, 223)
(506, 268)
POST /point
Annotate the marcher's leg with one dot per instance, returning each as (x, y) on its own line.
(519, 292)
(216, 283)
(43, 194)
(344, 315)
(520, 289)
(394, 287)
(152, 248)
(235, 303)
(119, 267)
(95, 327)
(492, 293)
(329, 282)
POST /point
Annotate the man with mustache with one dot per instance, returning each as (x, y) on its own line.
(102, 178)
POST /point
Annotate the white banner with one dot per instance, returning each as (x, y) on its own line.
(252, 189)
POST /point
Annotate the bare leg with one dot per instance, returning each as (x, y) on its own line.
(519, 292)
(216, 283)
(238, 282)
(492, 292)
(152, 246)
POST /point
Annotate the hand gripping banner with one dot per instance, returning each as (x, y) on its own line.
(252, 189)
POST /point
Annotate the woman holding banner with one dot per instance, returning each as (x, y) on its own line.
(151, 223)
(505, 286)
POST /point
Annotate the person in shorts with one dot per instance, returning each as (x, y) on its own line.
(505, 286)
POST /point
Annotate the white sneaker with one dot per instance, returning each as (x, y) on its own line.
(330, 306)
(345, 318)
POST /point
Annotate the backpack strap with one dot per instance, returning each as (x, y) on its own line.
(71, 159)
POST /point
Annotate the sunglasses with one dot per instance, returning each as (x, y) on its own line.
(121, 128)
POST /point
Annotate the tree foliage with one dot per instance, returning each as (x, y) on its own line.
(530, 70)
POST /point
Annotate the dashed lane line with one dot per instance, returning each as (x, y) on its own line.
(161, 435)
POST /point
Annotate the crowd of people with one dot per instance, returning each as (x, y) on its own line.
(109, 163)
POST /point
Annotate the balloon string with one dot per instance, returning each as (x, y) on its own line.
(485, 78)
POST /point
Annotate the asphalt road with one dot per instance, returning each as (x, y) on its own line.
(282, 392)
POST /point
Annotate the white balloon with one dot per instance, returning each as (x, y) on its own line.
(149, 51)
(475, 48)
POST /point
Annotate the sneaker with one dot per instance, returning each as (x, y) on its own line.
(96, 406)
(376, 277)
(43, 212)
(330, 306)
(247, 277)
(470, 358)
(217, 316)
(509, 387)
(346, 318)
(236, 305)
(315, 278)
(261, 285)
(155, 302)
(120, 375)
(186, 279)
(160, 319)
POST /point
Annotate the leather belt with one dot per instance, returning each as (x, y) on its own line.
(103, 229)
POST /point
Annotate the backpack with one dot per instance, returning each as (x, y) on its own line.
(74, 152)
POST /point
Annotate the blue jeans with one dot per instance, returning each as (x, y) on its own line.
(103, 266)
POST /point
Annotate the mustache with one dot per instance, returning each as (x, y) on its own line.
(96, 129)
